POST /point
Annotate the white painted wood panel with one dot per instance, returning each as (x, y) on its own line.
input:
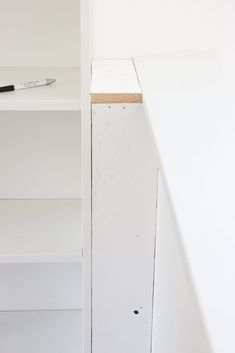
(40, 33)
(41, 332)
(40, 155)
(124, 191)
(178, 321)
(64, 94)
(40, 231)
(114, 76)
(44, 286)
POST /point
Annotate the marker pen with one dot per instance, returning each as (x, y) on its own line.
(27, 84)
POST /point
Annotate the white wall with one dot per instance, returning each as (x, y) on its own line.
(178, 324)
(127, 28)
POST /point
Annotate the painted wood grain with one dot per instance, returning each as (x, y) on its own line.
(124, 191)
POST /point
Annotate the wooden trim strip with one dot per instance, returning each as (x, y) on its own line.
(116, 98)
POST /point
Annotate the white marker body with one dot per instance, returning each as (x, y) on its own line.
(30, 84)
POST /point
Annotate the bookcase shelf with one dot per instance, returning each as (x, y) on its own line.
(40, 231)
(65, 94)
(43, 133)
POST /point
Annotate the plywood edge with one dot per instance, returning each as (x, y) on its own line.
(115, 81)
(116, 98)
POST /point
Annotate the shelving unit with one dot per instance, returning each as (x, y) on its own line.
(64, 95)
(41, 215)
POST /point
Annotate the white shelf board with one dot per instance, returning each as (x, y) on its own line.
(41, 332)
(62, 95)
(36, 231)
(114, 76)
(115, 81)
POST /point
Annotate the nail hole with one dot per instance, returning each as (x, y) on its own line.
(136, 312)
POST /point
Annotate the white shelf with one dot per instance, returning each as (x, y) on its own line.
(41, 332)
(35, 231)
(62, 95)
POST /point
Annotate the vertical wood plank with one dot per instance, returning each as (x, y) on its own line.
(124, 191)
(86, 54)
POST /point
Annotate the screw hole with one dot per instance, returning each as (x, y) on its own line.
(136, 312)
